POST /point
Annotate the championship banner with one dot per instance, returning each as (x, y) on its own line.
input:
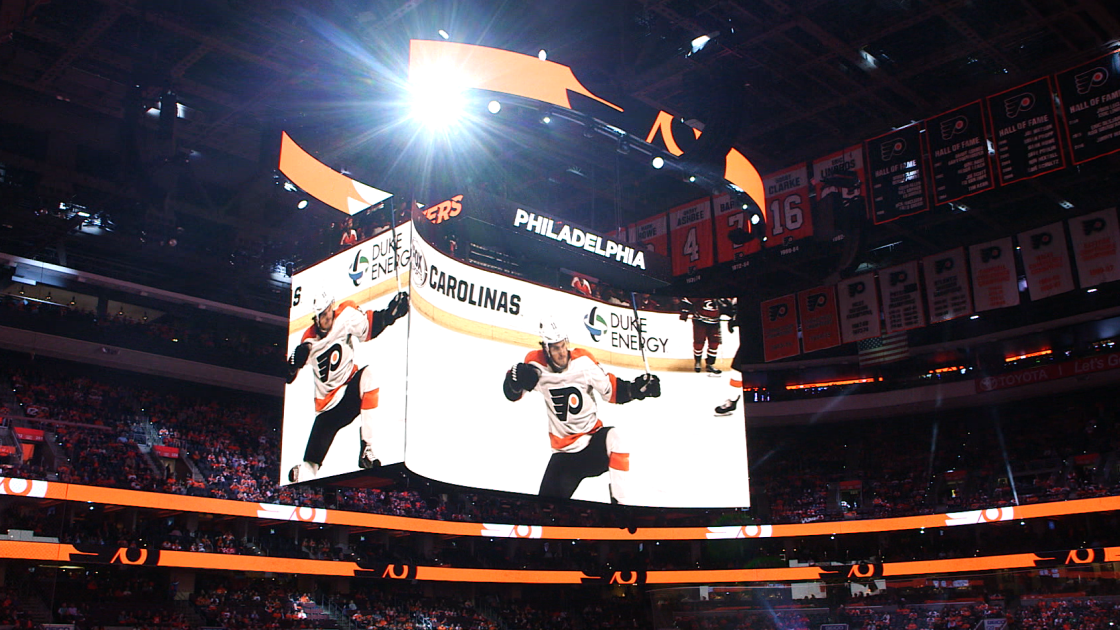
(690, 234)
(898, 187)
(1095, 239)
(27, 434)
(1026, 131)
(902, 297)
(858, 300)
(652, 234)
(779, 328)
(994, 281)
(787, 198)
(947, 286)
(1046, 261)
(1091, 103)
(820, 321)
(730, 216)
(958, 149)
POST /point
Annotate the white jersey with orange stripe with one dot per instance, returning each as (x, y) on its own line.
(332, 355)
(569, 397)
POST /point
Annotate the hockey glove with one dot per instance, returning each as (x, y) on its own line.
(398, 306)
(730, 325)
(296, 361)
(684, 316)
(525, 376)
(646, 386)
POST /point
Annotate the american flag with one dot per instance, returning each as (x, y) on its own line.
(885, 349)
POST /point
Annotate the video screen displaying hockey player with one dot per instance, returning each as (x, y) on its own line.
(522, 388)
(344, 406)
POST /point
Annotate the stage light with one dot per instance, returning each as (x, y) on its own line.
(443, 34)
(546, 119)
(302, 204)
(658, 162)
(692, 179)
(755, 219)
(542, 55)
(699, 43)
(436, 96)
(290, 187)
(494, 107)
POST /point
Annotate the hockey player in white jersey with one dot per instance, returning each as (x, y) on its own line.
(568, 380)
(343, 391)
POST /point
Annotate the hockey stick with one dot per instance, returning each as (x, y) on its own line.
(396, 252)
(638, 325)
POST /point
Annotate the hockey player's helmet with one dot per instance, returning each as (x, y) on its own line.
(322, 301)
(551, 332)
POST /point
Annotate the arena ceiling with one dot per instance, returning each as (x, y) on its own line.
(811, 77)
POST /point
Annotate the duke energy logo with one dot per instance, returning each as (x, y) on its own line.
(595, 324)
(358, 269)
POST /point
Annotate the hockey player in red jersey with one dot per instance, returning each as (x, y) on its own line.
(705, 328)
(343, 391)
(568, 379)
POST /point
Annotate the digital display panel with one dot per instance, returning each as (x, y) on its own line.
(471, 424)
(344, 405)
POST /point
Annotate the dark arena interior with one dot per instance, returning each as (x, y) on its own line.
(901, 216)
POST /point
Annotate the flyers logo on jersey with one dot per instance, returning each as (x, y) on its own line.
(739, 531)
(976, 517)
(565, 401)
(13, 486)
(291, 513)
(497, 530)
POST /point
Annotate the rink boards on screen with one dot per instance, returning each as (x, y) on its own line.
(468, 326)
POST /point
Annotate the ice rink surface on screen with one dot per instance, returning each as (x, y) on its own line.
(461, 429)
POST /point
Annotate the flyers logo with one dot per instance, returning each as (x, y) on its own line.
(386, 571)
(1090, 79)
(1092, 225)
(16, 487)
(988, 254)
(329, 360)
(1070, 557)
(565, 401)
(852, 572)
(891, 148)
(625, 578)
(115, 555)
(977, 517)
(817, 300)
(1018, 104)
(1040, 240)
(497, 530)
(291, 513)
(942, 265)
(953, 126)
(856, 288)
(778, 311)
(739, 531)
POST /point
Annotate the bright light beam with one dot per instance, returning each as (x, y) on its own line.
(437, 96)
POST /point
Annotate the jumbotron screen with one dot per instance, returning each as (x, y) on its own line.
(344, 406)
(578, 418)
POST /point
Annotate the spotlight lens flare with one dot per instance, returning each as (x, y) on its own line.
(494, 107)
(436, 96)
(658, 162)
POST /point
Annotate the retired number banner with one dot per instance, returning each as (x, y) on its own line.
(994, 282)
(1095, 240)
(947, 286)
(958, 149)
(653, 234)
(858, 300)
(690, 233)
(1046, 261)
(730, 216)
(1026, 131)
(820, 322)
(902, 297)
(779, 328)
(787, 202)
(1091, 102)
(898, 186)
